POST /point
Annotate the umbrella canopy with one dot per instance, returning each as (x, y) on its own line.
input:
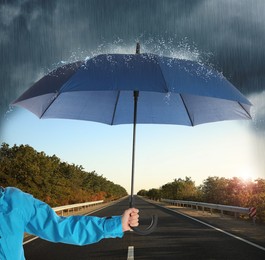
(141, 88)
(172, 91)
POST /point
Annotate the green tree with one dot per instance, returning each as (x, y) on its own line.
(154, 194)
(142, 193)
(179, 189)
(214, 190)
(51, 180)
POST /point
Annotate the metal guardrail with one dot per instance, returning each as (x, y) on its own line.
(202, 205)
(77, 206)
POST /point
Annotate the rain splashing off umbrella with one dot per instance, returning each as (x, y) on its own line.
(136, 88)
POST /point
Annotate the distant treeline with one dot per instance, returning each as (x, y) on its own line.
(51, 180)
(217, 190)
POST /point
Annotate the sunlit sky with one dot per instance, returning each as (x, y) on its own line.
(163, 152)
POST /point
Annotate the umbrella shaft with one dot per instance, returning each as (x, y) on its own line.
(136, 94)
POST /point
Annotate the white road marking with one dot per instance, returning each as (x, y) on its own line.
(217, 229)
(130, 255)
(30, 240)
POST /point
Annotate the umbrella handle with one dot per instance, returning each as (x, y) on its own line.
(149, 230)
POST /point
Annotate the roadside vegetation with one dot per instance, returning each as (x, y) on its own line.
(59, 183)
(51, 180)
(217, 190)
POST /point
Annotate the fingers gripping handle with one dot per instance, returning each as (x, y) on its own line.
(150, 228)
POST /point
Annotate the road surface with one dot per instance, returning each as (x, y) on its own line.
(176, 237)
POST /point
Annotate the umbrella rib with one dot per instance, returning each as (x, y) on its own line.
(182, 99)
(166, 88)
(244, 109)
(55, 97)
(115, 108)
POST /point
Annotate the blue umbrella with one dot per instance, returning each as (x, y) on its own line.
(136, 88)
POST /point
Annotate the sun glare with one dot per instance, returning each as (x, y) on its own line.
(246, 173)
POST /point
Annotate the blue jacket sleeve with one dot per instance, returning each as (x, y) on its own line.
(77, 230)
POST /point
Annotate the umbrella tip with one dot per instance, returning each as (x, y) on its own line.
(137, 48)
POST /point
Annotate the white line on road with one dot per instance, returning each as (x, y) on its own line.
(217, 229)
(130, 255)
(30, 240)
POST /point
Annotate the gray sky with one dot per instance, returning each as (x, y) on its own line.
(36, 35)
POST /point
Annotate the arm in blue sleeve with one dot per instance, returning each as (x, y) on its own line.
(77, 230)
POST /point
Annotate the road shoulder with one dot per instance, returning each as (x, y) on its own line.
(243, 228)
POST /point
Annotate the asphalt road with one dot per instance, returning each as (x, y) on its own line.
(176, 237)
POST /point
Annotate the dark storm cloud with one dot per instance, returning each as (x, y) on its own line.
(37, 35)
